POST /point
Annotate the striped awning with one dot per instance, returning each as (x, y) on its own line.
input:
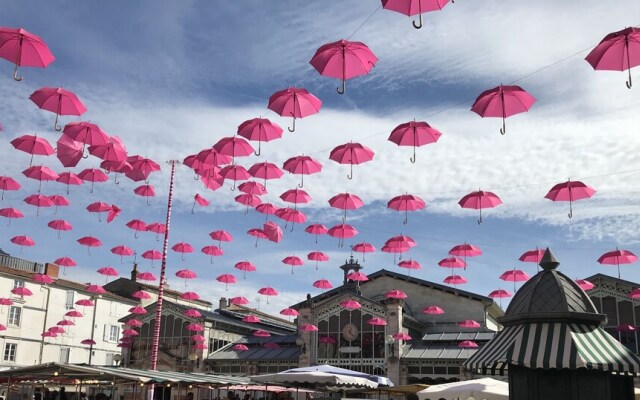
(554, 346)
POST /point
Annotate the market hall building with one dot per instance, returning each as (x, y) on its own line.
(361, 338)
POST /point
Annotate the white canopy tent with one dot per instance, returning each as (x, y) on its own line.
(478, 389)
(317, 379)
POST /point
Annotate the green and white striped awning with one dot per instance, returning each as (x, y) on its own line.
(554, 346)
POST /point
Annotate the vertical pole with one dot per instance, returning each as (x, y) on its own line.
(165, 245)
(93, 327)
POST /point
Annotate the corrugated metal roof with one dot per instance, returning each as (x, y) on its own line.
(439, 352)
(458, 336)
(256, 353)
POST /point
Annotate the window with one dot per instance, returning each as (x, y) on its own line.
(64, 354)
(10, 350)
(111, 333)
(70, 299)
(18, 283)
(14, 315)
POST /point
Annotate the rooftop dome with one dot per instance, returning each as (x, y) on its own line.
(551, 296)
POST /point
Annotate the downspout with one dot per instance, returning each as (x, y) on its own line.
(93, 327)
(44, 323)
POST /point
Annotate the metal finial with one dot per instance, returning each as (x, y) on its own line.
(549, 261)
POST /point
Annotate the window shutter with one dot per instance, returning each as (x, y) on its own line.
(70, 298)
(105, 335)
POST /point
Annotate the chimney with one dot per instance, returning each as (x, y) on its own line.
(52, 270)
(134, 272)
(223, 303)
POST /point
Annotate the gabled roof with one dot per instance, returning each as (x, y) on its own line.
(604, 277)
(288, 350)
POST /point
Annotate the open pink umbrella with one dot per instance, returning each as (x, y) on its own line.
(32, 144)
(152, 255)
(199, 200)
(86, 133)
(113, 213)
(414, 134)
(617, 257)
(59, 101)
(322, 284)
(58, 201)
(119, 167)
(213, 251)
(377, 321)
(182, 248)
(21, 291)
(233, 146)
(260, 130)
(502, 101)
(452, 262)
(468, 344)
(192, 313)
(114, 151)
(98, 207)
(73, 314)
(8, 183)
(455, 280)
(469, 323)
(23, 241)
(239, 300)
(570, 191)
(500, 294)
(24, 49)
(261, 333)
(363, 247)
(290, 312)
(265, 170)
(133, 322)
(65, 262)
(245, 266)
(43, 279)
(514, 275)
(157, 228)
(479, 200)
(357, 277)
(11, 213)
(294, 102)
(635, 293)
(90, 242)
(95, 289)
(291, 215)
(351, 153)
(406, 202)
(267, 209)
(137, 225)
(401, 336)
(465, 250)
(395, 294)
(60, 225)
(93, 175)
(145, 191)
(302, 165)
(146, 276)
(343, 60)
(207, 159)
(240, 347)
(294, 261)
(68, 151)
(190, 296)
(351, 304)
(141, 294)
(194, 327)
(414, 7)
(69, 178)
(533, 256)
(395, 249)
(122, 251)
(138, 310)
(586, 285)
(618, 51)
(346, 201)
(309, 328)
(38, 201)
(235, 173)
(40, 173)
(317, 256)
(141, 168)
(251, 319)
(258, 234)
(433, 310)
(221, 236)
(273, 231)
(107, 272)
(65, 322)
(254, 188)
(85, 303)
(57, 330)
(409, 265)
(296, 196)
(268, 291)
(250, 200)
(342, 232)
(316, 229)
(186, 274)
(226, 279)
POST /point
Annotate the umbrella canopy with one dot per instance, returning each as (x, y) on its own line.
(21, 291)
(245, 266)
(114, 151)
(533, 256)
(290, 312)
(586, 285)
(182, 247)
(469, 323)
(38, 201)
(402, 336)
(32, 144)
(226, 279)
(192, 313)
(239, 300)
(395, 294)
(24, 49)
(455, 280)
(8, 183)
(514, 275)
(93, 175)
(40, 173)
(342, 231)
(452, 262)
(617, 257)
(273, 231)
(294, 102)
(233, 146)
(433, 310)
(43, 280)
(406, 202)
(357, 277)
(60, 225)
(409, 264)
(302, 165)
(294, 261)
(65, 262)
(363, 247)
(90, 242)
(468, 344)
(465, 250)
(479, 200)
(322, 284)
(59, 101)
(23, 241)
(618, 51)
(11, 213)
(502, 101)
(414, 134)
(316, 229)
(351, 153)
(500, 294)
(260, 130)
(258, 234)
(343, 60)
(265, 170)
(86, 133)
(268, 291)
(309, 328)
(213, 251)
(296, 196)
(317, 256)
(252, 319)
(414, 7)
(351, 304)
(570, 191)
(254, 188)
(146, 276)
(68, 151)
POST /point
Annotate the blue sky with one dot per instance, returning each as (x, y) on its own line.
(174, 78)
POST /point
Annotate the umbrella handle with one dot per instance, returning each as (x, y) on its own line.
(503, 130)
(257, 153)
(55, 124)
(350, 176)
(293, 127)
(629, 83)
(193, 209)
(480, 218)
(419, 25)
(197, 177)
(413, 159)
(234, 186)
(342, 90)
(15, 74)
(570, 210)
(301, 185)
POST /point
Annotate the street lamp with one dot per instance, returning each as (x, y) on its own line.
(390, 340)
(300, 342)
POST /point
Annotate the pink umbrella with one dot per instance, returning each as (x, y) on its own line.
(570, 191)
(268, 291)
(138, 226)
(502, 101)
(342, 231)
(69, 178)
(343, 60)
(8, 183)
(239, 300)
(409, 264)
(59, 201)
(122, 251)
(73, 314)
(514, 275)
(254, 188)
(357, 277)
(141, 168)
(221, 236)
(322, 284)
(261, 333)
(57, 330)
(302, 165)
(58, 101)
(141, 294)
(363, 247)
(251, 319)
(479, 200)
(98, 207)
(240, 347)
(233, 146)
(146, 276)
(95, 289)
(226, 279)
(88, 342)
(24, 49)
(93, 175)
(68, 151)
(198, 338)
(401, 336)
(43, 279)
(194, 327)
(130, 332)
(617, 257)
(469, 323)
(65, 262)
(190, 296)
(532, 256)
(90, 242)
(119, 167)
(455, 280)
(586, 285)
(433, 310)
(296, 196)
(157, 228)
(452, 262)
(265, 170)
(107, 272)
(113, 213)
(293, 261)
(11, 213)
(152, 255)
(197, 199)
(618, 51)
(186, 274)
(257, 233)
(395, 249)
(134, 323)
(260, 130)
(5, 301)
(273, 231)
(291, 215)
(213, 251)
(21, 291)
(40, 174)
(23, 241)
(182, 247)
(350, 304)
(138, 310)
(396, 294)
(345, 201)
(38, 201)
(267, 209)
(60, 225)
(145, 191)
(207, 159)
(290, 312)
(465, 250)
(635, 293)
(85, 303)
(500, 294)
(413, 7)
(377, 321)
(468, 344)
(245, 266)
(192, 313)
(32, 144)
(406, 203)
(65, 322)
(309, 328)
(294, 102)
(248, 200)
(113, 151)
(414, 133)
(351, 153)
(317, 256)
(86, 133)
(316, 229)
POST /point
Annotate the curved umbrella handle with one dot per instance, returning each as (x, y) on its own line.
(413, 159)
(293, 127)
(301, 185)
(504, 128)
(341, 90)
(350, 176)
(55, 124)
(234, 186)
(257, 153)
(15, 74)
(570, 210)
(629, 83)
(406, 218)
(419, 25)
(480, 217)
